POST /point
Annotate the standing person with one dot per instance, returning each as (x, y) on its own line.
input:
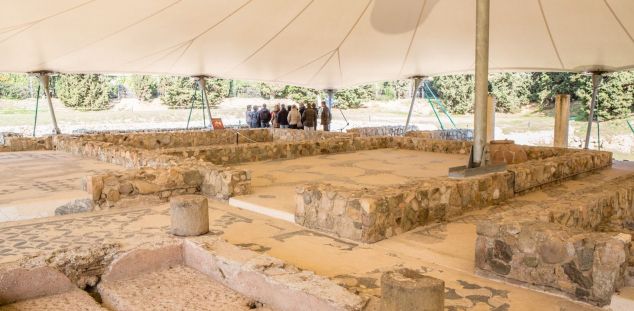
(274, 116)
(282, 117)
(294, 118)
(265, 116)
(301, 110)
(314, 106)
(256, 117)
(249, 116)
(326, 117)
(309, 117)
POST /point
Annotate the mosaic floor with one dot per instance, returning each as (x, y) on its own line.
(35, 183)
(442, 250)
(445, 250)
(274, 181)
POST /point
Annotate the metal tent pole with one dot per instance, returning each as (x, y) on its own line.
(44, 79)
(417, 82)
(37, 104)
(481, 81)
(597, 77)
(331, 96)
(202, 83)
(191, 108)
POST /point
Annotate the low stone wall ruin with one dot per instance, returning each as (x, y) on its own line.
(448, 134)
(111, 189)
(180, 139)
(12, 142)
(371, 215)
(573, 245)
(392, 210)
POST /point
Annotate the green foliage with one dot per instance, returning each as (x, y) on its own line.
(144, 87)
(511, 90)
(616, 95)
(615, 98)
(84, 91)
(15, 86)
(455, 91)
(300, 95)
(352, 98)
(179, 92)
(270, 90)
(546, 85)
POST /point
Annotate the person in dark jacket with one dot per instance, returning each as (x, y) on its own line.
(265, 116)
(309, 118)
(256, 117)
(282, 117)
(325, 116)
(302, 108)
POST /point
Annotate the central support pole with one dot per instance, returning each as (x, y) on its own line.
(481, 80)
(44, 79)
(597, 77)
(201, 83)
(417, 83)
(331, 96)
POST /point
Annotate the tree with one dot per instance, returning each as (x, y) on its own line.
(615, 98)
(144, 87)
(300, 95)
(270, 90)
(456, 92)
(351, 98)
(180, 92)
(84, 91)
(511, 90)
(14, 86)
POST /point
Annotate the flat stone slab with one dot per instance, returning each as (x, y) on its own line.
(74, 300)
(177, 288)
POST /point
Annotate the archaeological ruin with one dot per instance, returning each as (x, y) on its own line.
(313, 218)
(362, 217)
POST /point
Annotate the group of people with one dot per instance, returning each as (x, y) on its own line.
(304, 117)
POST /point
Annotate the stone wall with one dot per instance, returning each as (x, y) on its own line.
(158, 140)
(448, 134)
(535, 173)
(392, 210)
(374, 214)
(398, 130)
(125, 156)
(570, 245)
(234, 154)
(115, 188)
(15, 142)
(290, 135)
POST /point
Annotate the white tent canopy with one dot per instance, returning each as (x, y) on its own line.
(316, 43)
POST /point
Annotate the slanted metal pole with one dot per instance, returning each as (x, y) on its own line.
(481, 80)
(201, 84)
(417, 83)
(596, 81)
(37, 105)
(43, 76)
